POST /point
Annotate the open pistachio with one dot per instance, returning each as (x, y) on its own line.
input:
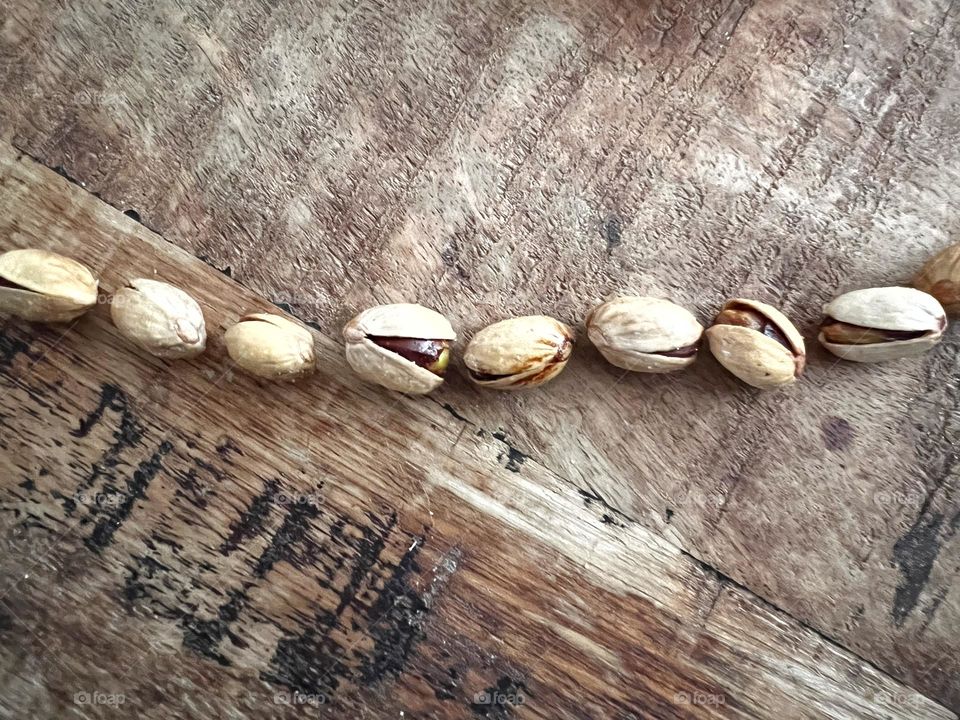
(270, 346)
(882, 324)
(940, 277)
(645, 334)
(757, 343)
(519, 352)
(404, 347)
(43, 286)
(160, 318)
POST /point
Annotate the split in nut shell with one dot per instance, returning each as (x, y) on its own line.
(406, 347)
(880, 324)
(403, 347)
(757, 343)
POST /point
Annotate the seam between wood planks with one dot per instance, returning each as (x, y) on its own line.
(515, 454)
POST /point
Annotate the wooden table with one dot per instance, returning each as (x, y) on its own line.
(181, 540)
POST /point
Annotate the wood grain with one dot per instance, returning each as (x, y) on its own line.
(183, 540)
(493, 158)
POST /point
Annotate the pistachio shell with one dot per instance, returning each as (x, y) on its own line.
(881, 352)
(941, 278)
(48, 287)
(634, 332)
(519, 352)
(888, 308)
(755, 358)
(400, 320)
(270, 346)
(895, 309)
(160, 318)
(389, 369)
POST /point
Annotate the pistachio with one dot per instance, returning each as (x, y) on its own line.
(270, 346)
(519, 352)
(757, 343)
(160, 318)
(43, 286)
(940, 277)
(404, 346)
(879, 324)
(645, 334)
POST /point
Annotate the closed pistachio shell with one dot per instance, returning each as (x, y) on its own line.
(403, 346)
(271, 347)
(160, 318)
(940, 277)
(645, 334)
(879, 324)
(757, 343)
(42, 286)
(519, 352)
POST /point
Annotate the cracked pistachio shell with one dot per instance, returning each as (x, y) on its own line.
(518, 353)
(940, 277)
(270, 346)
(645, 334)
(43, 286)
(160, 318)
(754, 357)
(900, 311)
(379, 365)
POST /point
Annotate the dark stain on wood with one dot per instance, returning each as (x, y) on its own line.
(914, 554)
(252, 520)
(515, 458)
(10, 348)
(612, 231)
(371, 545)
(136, 490)
(314, 663)
(283, 545)
(204, 636)
(838, 434)
(398, 618)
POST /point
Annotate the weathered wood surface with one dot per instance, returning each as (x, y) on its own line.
(495, 158)
(181, 540)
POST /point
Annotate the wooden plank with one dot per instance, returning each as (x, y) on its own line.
(491, 158)
(181, 539)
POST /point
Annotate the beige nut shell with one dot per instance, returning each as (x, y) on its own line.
(378, 365)
(888, 308)
(941, 278)
(522, 352)
(753, 357)
(630, 331)
(160, 318)
(271, 347)
(51, 287)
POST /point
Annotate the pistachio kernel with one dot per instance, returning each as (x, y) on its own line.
(848, 334)
(750, 318)
(432, 355)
